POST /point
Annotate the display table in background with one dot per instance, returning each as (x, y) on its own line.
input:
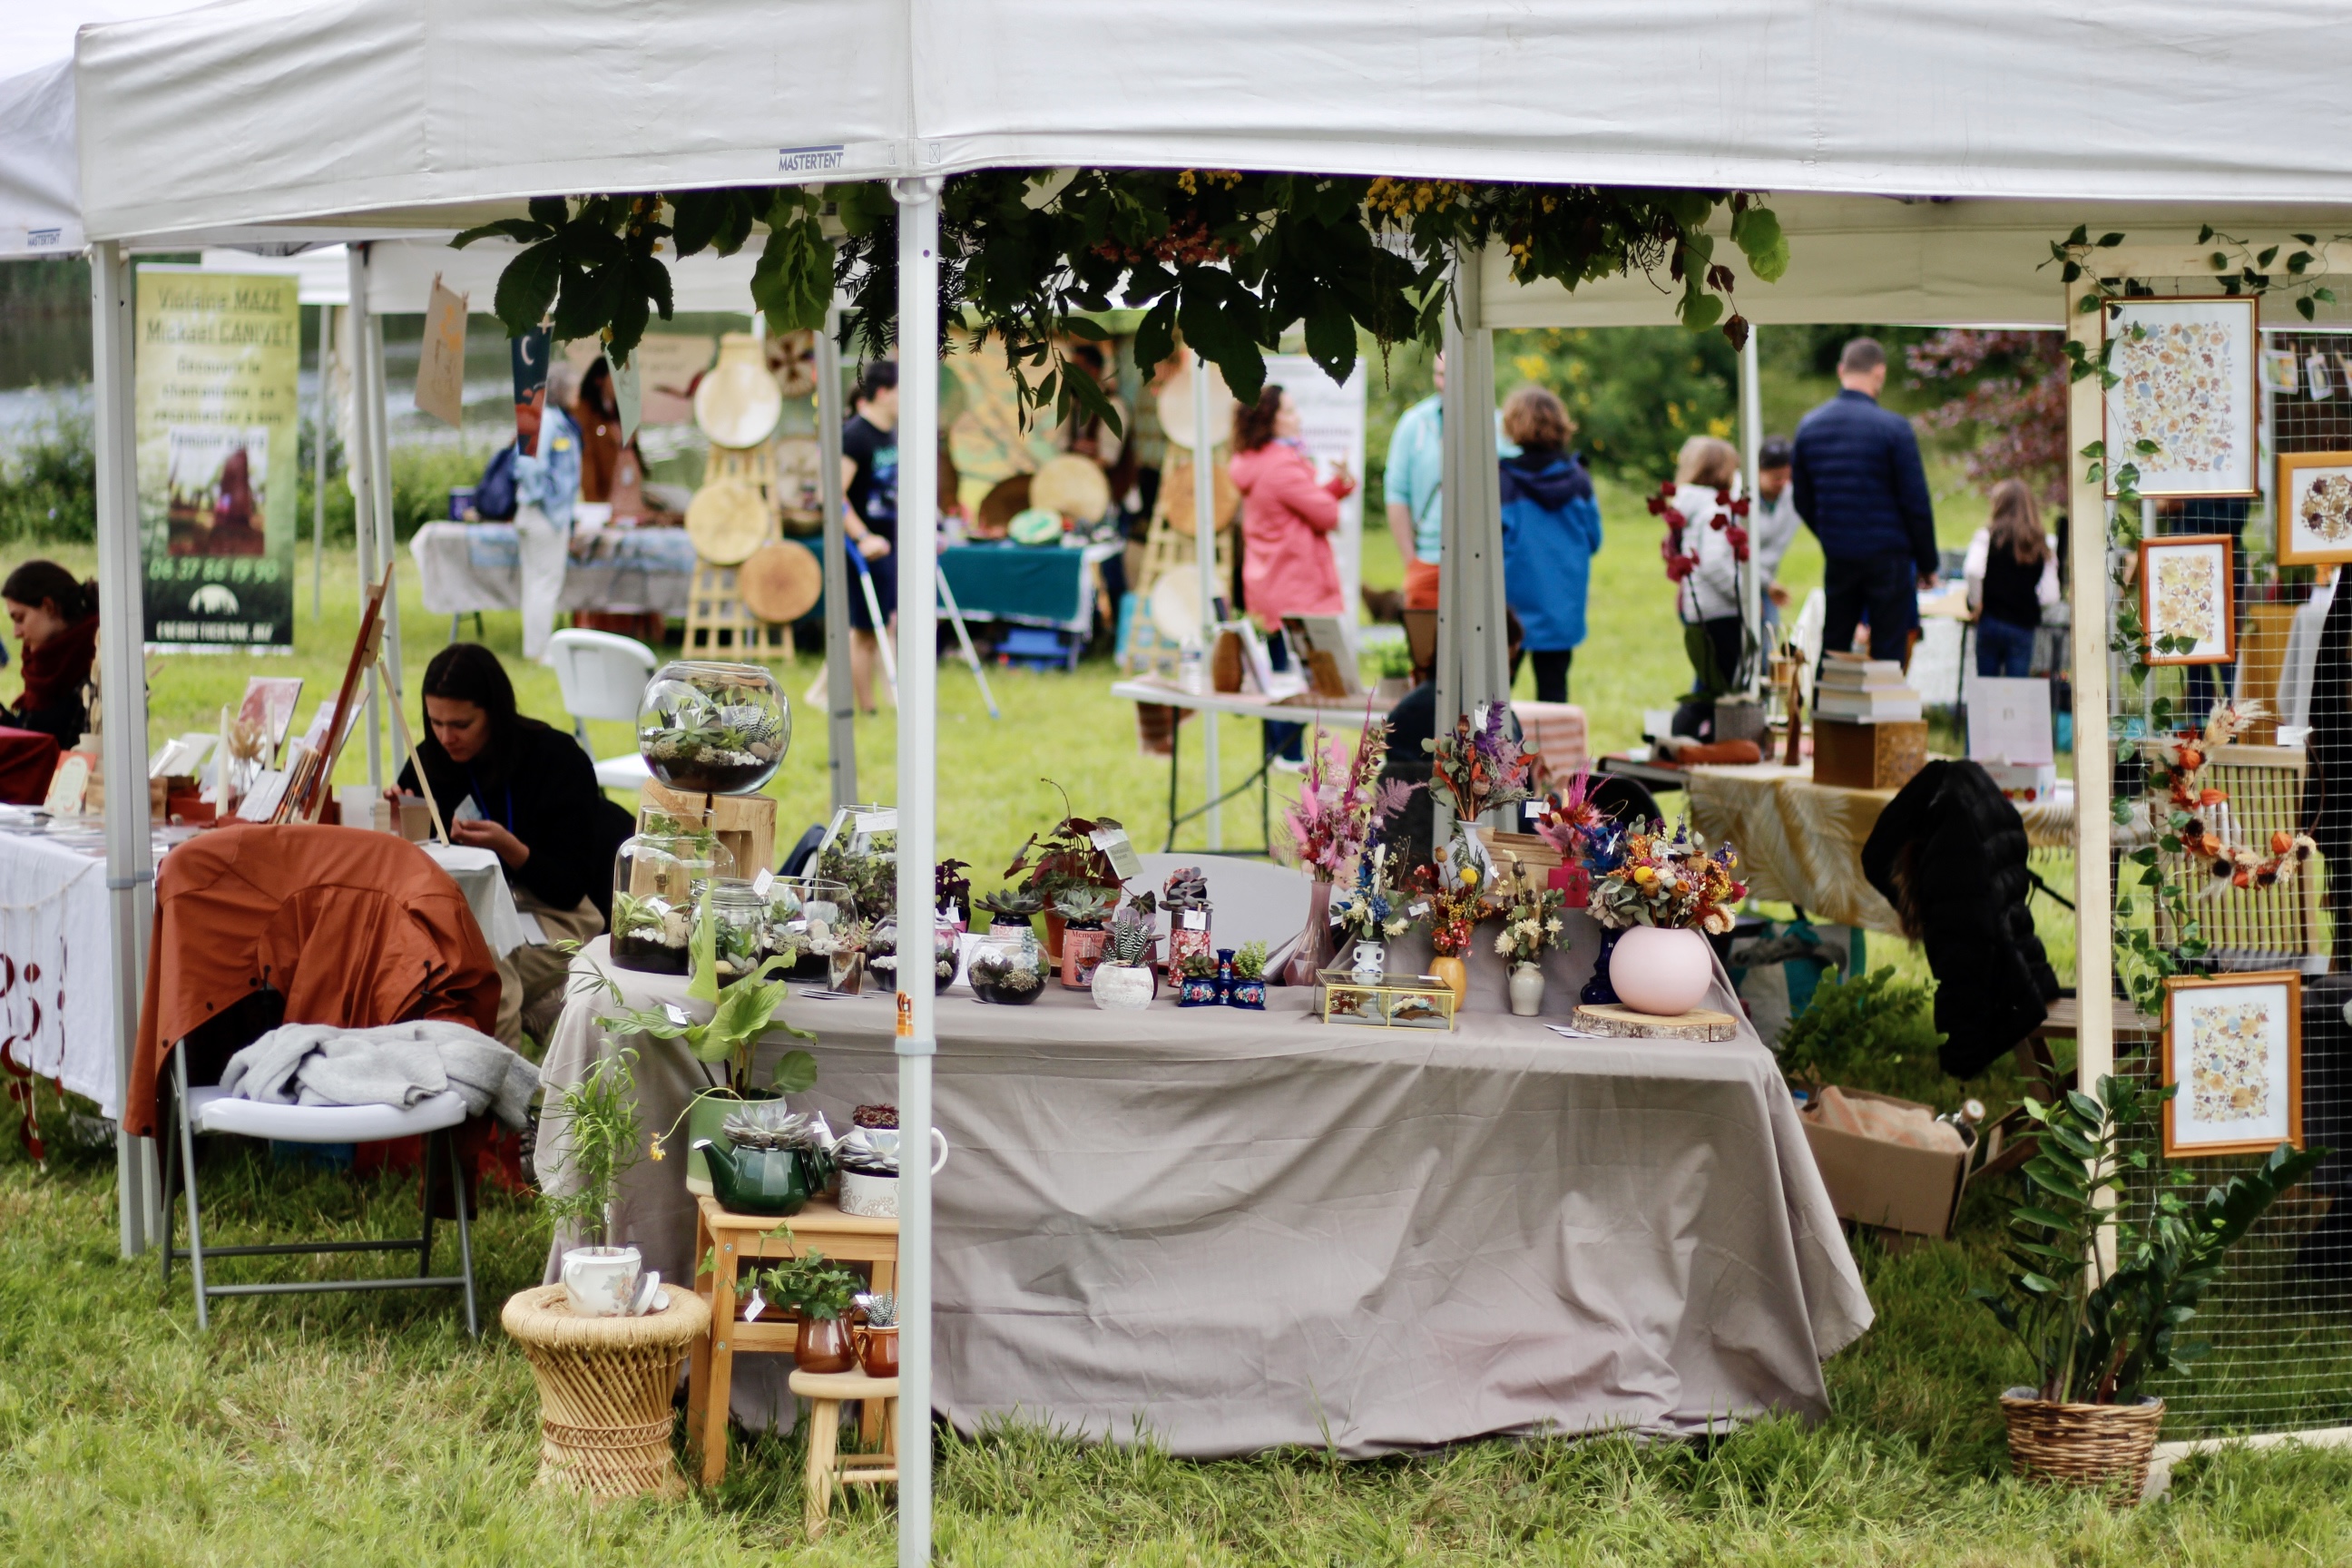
(1244, 1230)
(1027, 586)
(1801, 842)
(468, 567)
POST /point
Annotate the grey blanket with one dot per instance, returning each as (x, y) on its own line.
(396, 1063)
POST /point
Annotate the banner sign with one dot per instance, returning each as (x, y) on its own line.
(219, 432)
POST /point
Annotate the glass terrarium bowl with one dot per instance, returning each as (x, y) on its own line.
(804, 912)
(713, 729)
(656, 879)
(1008, 969)
(882, 954)
(738, 943)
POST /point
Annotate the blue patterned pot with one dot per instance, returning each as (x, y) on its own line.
(1249, 994)
(1198, 991)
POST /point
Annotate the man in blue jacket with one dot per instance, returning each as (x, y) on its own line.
(1861, 487)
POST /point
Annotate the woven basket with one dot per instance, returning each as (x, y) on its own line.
(605, 1390)
(2083, 1444)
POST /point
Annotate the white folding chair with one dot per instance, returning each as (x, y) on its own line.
(209, 1109)
(602, 675)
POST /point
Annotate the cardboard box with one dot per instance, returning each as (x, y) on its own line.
(1891, 1185)
(1852, 755)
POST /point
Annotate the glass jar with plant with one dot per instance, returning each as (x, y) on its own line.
(804, 912)
(2096, 1335)
(1124, 980)
(1009, 970)
(1197, 981)
(591, 1140)
(738, 918)
(851, 942)
(1247, 986)
(882, 954)
(821, 1295)
(867, 865)
(659, 876)
(713, 729)
(1084, 910)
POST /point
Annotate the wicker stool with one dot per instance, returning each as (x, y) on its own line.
(605, 1390)
(829, 1467)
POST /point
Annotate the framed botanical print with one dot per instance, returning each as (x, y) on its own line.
(2233, 1053)
(2187, 375)
(2185, 591)
(2314, 508)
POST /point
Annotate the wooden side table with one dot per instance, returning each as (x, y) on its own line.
(828, 1468)
(729, 1240)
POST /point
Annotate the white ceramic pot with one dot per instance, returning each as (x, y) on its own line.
(1122, 987)
(600, 1281)
(1526, 990)
(869, 1198)
(1663, 972)
(1370, 963)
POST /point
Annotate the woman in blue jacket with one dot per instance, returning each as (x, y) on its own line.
(1551, 526)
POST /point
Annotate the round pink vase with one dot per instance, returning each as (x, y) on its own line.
(1661, 972)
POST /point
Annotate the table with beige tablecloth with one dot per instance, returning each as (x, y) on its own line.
(1801, 842)
(1246, 1229)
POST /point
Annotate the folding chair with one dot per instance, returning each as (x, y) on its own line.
(602, 675)
(210, 1109)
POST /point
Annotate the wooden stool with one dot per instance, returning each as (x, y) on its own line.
(732, 1239)
(827, 1467)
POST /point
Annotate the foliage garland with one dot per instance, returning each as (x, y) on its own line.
(1232, 260)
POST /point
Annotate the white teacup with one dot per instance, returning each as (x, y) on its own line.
(884, 1141)
(600, 1281)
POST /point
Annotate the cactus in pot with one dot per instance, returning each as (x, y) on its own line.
(1123, 980)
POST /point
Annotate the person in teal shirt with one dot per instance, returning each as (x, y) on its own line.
(1412, 482)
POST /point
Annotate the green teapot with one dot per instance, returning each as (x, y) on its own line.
(762, 1181)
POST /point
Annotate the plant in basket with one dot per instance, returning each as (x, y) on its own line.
(1123, 980)
(1337, 812)
(1249, 986)
(2096, 1336)
(1531, 923)
(821, 1295)
(1197, 981)
(1479, 767)
(1661, 896)
(1370, 910)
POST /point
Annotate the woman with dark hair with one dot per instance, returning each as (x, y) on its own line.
(55, 617)
(1551, 526)
(527, 792)
(2012, 577)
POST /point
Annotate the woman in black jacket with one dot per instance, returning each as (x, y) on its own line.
(527, 792)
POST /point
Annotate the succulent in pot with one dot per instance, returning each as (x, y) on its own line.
(767, 1160)
(1012, 909)
(1124, 980)
(1009, 971)
(878, 1336)
(1247, 987)
(1197, 983)
(1083, 912)
(1185, 897)
(713, 729)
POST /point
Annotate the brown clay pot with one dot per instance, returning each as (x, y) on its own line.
(1053, 927)
(877, 1352)
(822, 1346)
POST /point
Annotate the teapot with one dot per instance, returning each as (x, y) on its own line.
(762, 1181)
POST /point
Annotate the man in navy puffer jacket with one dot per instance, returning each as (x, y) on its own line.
(1860, 486)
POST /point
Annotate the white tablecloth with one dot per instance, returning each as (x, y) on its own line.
(478, 875)
(469, 566)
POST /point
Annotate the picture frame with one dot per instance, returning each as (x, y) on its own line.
(2186, 587)
(2188, 373)
(2233, 1053)
(2314, 508)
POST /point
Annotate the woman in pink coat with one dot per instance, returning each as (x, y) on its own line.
(1287, 567)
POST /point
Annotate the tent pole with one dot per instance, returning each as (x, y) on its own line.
(840, 695)
(360, 458)
(387, 558)
(318, 462)
(1450, 474)
(918, 678)
(122, 699)
(1474, 661)
(1751, 578)
(1204, 555)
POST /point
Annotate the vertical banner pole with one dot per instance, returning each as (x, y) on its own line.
(318, 461)
(359, 453)
(2087, 638)
(918, 678)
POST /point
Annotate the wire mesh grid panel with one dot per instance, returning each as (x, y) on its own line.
(2279, 1325)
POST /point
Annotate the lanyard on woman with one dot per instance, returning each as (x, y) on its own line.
(507, 819)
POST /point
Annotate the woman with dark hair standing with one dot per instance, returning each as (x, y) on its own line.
(2012, 577)
(527, 792)
(55, 617)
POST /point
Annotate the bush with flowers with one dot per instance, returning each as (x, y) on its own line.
(1677, 883)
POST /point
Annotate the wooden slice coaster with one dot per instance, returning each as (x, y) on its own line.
(1699, 1024)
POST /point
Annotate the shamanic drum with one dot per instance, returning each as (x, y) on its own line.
(727, 521)
(780, 581)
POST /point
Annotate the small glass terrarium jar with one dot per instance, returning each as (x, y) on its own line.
(1008, 968)
(882, 954)
(739, 917)
(803, 915)
(713, 729)
(656, 879)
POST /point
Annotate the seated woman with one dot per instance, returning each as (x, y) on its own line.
(56, 618)
(528, 793)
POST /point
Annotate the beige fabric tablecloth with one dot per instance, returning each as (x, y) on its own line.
(1800, 843)
(1248, 1229)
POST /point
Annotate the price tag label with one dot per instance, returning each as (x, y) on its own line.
(1532, 810)
(764, 882)
(1195, 920)
(676, 1014)
(875, 821)
(757, 1305)
(1419, 910)
(1111, 839)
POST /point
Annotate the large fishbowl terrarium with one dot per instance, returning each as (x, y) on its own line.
(656, 879)
(713, 729)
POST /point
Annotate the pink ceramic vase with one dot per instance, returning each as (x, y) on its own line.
(1663, 973)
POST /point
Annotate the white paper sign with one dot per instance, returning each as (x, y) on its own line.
(1112, 841)
(1195, 920)
(762, 882)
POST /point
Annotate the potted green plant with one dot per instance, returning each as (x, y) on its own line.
(1247, 987)
(1082, 910)
(1196, 984)
(1063, 857)
(1012, 910)
(1185, 897)
(952, 892)
(2097, 1334)
(597, 1143)
(820, 1294)
(1124, 980)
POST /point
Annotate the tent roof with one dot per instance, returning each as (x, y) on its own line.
(407, 113)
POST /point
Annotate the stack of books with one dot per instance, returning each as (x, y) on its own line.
(1863, 690)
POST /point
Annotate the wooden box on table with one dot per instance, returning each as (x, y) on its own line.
(745, 824)
(1852, 755)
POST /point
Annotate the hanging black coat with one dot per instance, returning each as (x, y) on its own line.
(1949, 854)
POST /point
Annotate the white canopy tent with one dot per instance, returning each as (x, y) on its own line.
(203, 127)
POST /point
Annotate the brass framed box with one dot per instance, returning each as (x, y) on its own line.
(1391, 1001)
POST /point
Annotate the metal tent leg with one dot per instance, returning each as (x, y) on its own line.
(465, 1234)
(188, 1177)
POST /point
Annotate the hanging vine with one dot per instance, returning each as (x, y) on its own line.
(1232, 259)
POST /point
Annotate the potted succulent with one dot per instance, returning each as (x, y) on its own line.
(1008, 969)
(1061, 859)
(2096, 1335)
(1531, 922)
(1185, 897)
(767, 1160)
(599, 1142)
(878, 1336)
(1082, 910)
(1246, 986)
(821, 1295)
(1124, 980)
(1011, 909)
(952, 892)
(1196, 983)
(1663, 896)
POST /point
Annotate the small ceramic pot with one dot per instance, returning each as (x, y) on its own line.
(1198, 991)
(600, 1281)
(877, 1351)
(868, 1196)
(1185, 941)
(1081, 951)
(1370, 962)
(1124, 987)
(1450, 968)
(1526, 990)
(846, 973)
(1247, 993)
(822, 1344)
(1663, 973)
